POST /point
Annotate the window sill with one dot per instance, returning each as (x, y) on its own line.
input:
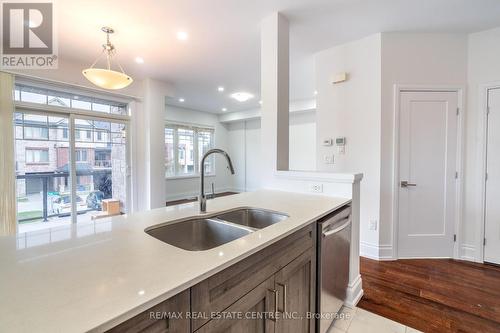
(188, 176)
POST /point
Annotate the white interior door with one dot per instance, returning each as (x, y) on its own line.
(427, 161)
(492, 206)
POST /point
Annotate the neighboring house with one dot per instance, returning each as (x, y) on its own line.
(43, 147)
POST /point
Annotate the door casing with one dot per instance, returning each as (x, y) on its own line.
(398, 89)
(481, 176)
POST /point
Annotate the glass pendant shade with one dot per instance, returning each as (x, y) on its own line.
(106, 78)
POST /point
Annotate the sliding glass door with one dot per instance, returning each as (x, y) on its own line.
(100, 154)
(43, 180)
(69, 168)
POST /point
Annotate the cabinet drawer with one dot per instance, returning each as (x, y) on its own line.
(155, 319)
(223, 289)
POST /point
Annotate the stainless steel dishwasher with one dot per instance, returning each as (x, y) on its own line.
(334, 242)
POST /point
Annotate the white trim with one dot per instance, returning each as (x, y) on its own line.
(468, 252)
(175, 123)
(398, 89)
(354, 292)
(376, 252)
(483, 107)
(368, 250)
(349, 178)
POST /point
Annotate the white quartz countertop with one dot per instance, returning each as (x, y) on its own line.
(92, 276)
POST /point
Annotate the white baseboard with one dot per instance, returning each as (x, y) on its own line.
(376, 252)
(354, 292)
(468, 252)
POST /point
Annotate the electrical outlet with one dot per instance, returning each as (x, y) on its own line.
(317, 188)
(373, 224)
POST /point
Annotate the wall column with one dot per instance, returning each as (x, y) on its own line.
(7, 164)
(149, 137)
(275, 95)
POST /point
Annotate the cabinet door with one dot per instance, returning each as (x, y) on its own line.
(156, 319)
(295, 284)
(249, 314)
(221, 290)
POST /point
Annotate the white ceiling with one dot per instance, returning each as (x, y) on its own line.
(224, 42)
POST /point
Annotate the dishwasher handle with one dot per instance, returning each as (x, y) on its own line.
(339, 228)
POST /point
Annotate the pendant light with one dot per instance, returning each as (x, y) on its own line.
(106, 77)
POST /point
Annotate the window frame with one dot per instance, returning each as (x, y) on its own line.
(196, 129)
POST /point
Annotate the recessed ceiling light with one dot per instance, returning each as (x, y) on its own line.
(260, 102)
(139, 60)
(224, 109)
(242, 96)
(315, 92)
(182, 35)
(220, 89)
(181, 100)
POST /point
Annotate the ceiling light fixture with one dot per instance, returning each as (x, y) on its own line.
(139, 60)
(315, 92)
(260, 102)
(182, 35)
(181, 100)
(107, 78)
(242, 96)
(220, 89)
(224, 109)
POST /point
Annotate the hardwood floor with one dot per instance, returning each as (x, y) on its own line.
(183, 201)
(433, 295)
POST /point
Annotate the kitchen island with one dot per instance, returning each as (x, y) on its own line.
(95, 276)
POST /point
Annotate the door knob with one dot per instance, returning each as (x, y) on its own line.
(404, 183)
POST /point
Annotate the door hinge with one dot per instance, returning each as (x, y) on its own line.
(455, 237)
(456, 174)
(458, 111)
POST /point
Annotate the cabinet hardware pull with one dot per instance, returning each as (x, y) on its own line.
(275, 292)
(284, 295)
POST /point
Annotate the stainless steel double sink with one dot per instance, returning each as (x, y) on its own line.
(198, 234)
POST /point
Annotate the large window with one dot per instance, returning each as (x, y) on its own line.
(68, 161)
(184, 148)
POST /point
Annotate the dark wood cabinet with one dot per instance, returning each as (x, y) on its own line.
(295, 286)
(160, 319)
(273, 290)
(249, 314)
(221, 290)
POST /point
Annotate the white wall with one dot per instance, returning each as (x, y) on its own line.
(352, 109)
(362, 110)
(245, 148)
(412, 59)
(188, 187)
(302, 141)
(483, 68)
